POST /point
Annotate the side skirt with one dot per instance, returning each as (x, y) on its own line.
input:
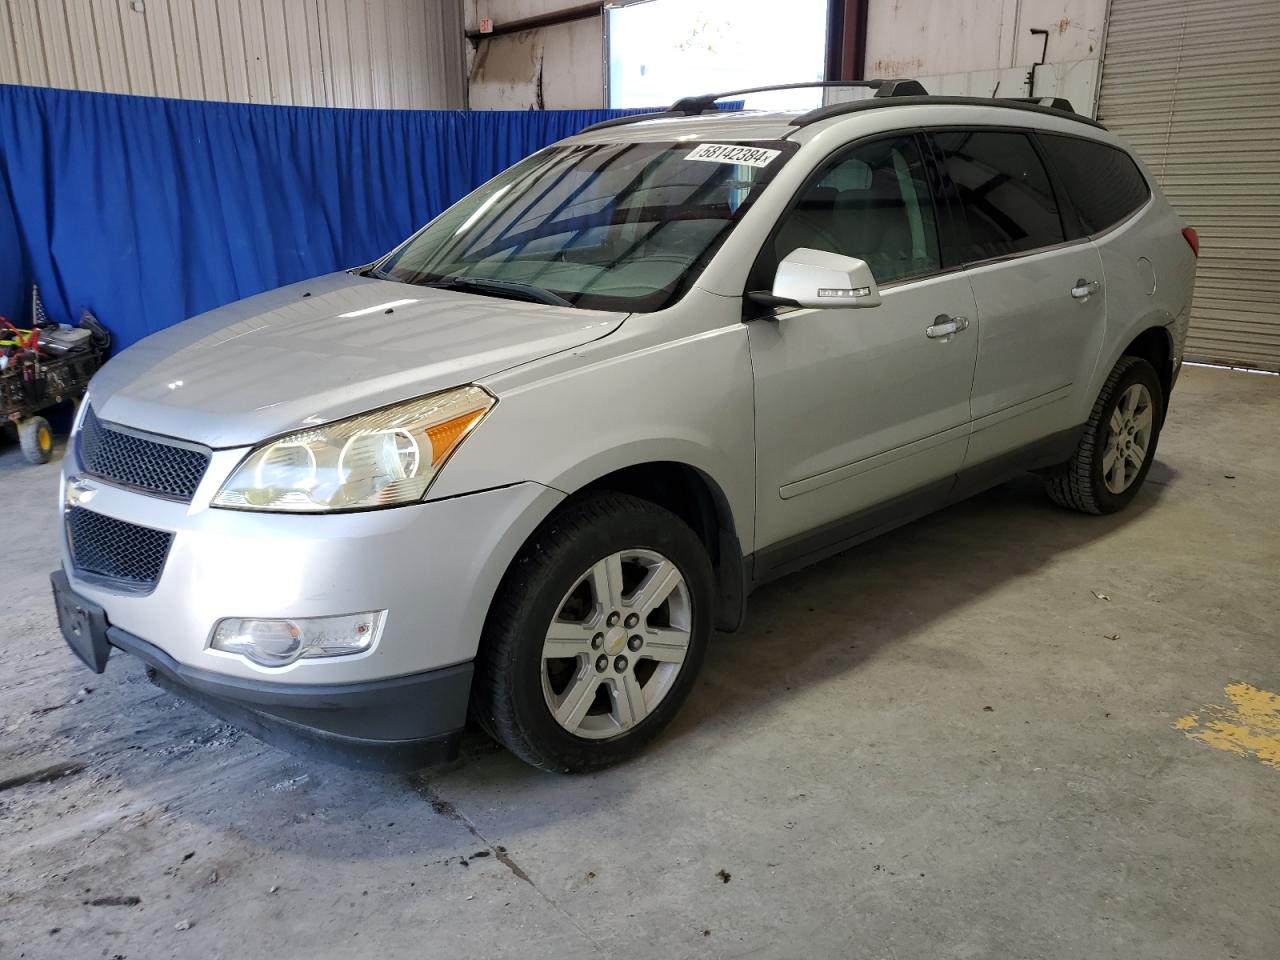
(1048, 452)
(802, 550)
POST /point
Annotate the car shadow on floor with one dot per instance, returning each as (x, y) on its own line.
(852, 606)
(826, 621)
(832, 618)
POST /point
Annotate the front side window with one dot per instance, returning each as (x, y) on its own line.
(872, 203)
(614, 226)
(1004, 192)
(1103, 182)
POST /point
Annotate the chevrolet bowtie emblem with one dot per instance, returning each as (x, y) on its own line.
(80, 491)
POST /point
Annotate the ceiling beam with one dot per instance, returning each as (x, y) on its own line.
(583, 11)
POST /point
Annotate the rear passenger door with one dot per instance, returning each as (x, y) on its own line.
(1040, 300)
(1110, 195)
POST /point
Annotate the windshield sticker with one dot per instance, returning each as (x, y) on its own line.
(727, 153)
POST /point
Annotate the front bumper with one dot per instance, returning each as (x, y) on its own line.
(433, 567)
(401, 723)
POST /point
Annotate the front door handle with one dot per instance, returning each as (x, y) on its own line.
(1084, 289)
(944, 326)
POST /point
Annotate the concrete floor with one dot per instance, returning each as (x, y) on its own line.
(940, 745)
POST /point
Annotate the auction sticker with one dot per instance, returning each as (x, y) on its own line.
(728, 153)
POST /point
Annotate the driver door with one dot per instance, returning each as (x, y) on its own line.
(862, 413)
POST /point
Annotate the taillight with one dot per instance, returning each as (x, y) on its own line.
(1193, 239)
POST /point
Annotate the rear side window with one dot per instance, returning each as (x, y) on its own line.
(1004, 191)
(1103, 183)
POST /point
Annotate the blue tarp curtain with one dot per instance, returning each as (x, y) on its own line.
(148, 211)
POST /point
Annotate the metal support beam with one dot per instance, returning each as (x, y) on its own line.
(583, 11)
(847, 39)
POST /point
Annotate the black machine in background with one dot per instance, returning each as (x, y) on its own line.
(42, 366)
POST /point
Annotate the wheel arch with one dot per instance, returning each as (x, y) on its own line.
(1155, 345)
(695, 497)
(685, 482)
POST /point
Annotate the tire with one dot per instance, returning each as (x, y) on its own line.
(36, 438)
(554, 577)
(1087, 482)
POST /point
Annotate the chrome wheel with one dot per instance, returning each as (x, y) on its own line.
(1128, 439)
(618, 641)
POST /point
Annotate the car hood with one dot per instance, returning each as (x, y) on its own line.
(321, 350)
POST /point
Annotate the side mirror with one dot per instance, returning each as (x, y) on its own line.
(818, 279)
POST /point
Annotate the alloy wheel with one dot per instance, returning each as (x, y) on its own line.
(617, 642)
(1128, 439)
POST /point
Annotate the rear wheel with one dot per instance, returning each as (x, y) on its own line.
(36, 438)
(596, 635)
(1118, 445)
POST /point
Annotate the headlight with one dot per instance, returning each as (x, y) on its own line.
(379, 459)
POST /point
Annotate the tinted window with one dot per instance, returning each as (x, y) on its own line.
(1004, 190)
(1103, 183)
(872, 203)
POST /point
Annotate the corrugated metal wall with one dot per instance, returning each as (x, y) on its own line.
(1192, 86)
(336, 53)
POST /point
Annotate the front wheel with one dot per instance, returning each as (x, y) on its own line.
(1118, 445)
(596, 634)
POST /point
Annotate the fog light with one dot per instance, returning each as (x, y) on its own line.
(276, 643)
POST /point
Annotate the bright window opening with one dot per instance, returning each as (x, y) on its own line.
(661, 50)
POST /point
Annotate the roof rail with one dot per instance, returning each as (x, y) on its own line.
(692, 106)
(1033, 105)
(1053, 103)
(706, 102)
(633, 118)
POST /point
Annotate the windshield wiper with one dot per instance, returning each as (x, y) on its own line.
(501, 288)
(375, 273)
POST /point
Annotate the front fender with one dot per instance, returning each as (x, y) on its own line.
(688, 401)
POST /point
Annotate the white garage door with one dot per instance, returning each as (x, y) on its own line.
(1194, 87)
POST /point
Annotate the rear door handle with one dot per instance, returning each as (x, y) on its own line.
(944, 326)
(1084, 289)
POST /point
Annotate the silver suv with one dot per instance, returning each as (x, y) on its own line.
(524, 464)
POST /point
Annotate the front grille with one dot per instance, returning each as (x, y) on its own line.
(131, 460)
(110, 548)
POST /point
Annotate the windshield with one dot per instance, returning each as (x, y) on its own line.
(615, 226)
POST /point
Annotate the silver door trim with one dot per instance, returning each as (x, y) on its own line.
(1023, 406)
(873, 462)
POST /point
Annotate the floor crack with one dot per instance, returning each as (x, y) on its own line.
(44, 775)
(449, 810)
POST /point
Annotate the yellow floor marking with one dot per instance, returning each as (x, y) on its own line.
(1249, 727)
